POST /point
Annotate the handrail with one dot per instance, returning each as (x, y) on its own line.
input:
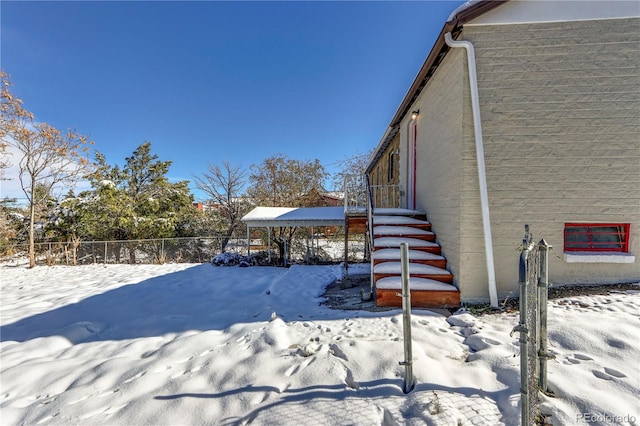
(386, 195)
(370, 226)
(354, 194)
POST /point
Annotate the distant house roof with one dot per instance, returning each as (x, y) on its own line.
(463, 14)
(294, 216)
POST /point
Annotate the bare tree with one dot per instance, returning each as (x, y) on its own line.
(11, 113)
(355, 165)
(224, 186)
(284, 182)
(47, 156)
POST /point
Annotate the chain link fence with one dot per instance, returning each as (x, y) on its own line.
(534, 287)
(185, 250)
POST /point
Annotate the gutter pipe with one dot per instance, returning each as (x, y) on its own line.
(482, 176)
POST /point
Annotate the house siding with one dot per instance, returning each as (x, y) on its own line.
(560, 107)
(379, 176)
(439, 154)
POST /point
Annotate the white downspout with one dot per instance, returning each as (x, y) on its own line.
(482, 175)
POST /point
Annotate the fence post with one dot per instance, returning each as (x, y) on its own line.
(406, 319)
(105, 252)
(522, 328)
(543, 293)
(162, 251)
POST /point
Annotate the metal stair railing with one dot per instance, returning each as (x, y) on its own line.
(386, 195)
(355, 197)
(370, 227)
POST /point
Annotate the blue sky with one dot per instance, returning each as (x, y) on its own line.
(212, 81)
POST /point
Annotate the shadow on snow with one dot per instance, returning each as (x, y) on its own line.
(197, 298)
(368, 393)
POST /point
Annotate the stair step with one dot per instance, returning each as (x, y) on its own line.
(425, 293)
(395, 268)
(414, 255)
(416, 270)
(397, 212)
(431, 284)
(401, 220)
(418, 284)
(414, 243)
(403, 231)
(398, 230)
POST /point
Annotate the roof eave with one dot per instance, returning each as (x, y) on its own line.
(439, 51)
(435, 57)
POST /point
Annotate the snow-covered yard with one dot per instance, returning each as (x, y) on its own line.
(196, 344)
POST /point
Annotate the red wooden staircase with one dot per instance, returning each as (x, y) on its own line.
(431, 284)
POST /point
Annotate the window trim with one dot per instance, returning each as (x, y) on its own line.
(624, 232)
(390, 166)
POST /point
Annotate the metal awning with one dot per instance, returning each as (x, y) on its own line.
(261, 217)
(274, 217)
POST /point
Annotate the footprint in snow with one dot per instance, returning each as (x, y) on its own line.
(161, 369)
(349, 380)
(582, 357)
(337, 352)
(294, 369)
(107, 412)
(614, 373)
(259, 399)
(75, 401)
(47, 418)
(148, 354)
(182, 361)
(137, 376)
(602, 375)
(108, 393)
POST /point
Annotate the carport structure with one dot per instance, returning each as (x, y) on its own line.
(275, 217)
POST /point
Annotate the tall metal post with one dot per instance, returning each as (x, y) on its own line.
(406, 319)
(524, 354)
(248, 241)
(523, 330)
(269, 243)
(313, 248)
(543, 293)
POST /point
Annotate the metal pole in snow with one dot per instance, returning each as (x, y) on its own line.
(269, 243)
(522, 329)
(248, 241)
(406, 319)
(543, 293)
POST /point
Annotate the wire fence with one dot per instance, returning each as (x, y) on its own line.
(534, 286)
(185, 250)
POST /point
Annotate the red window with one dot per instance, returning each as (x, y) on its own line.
(596, 237)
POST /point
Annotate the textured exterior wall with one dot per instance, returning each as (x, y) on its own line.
(560, 106)
(380, 176)
(439, 153)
